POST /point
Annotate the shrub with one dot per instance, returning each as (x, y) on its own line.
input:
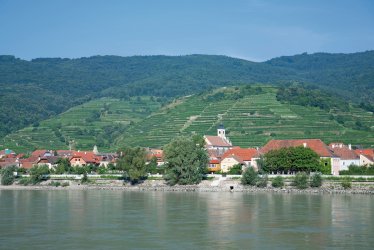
(7, 177)
(84, 178)
(55, 184)
(316, 180)
(262, 181)
(346, 183)
(301, 181)
(236, 169)
(65, 184)
(250, 177)
(25, 181)
(277, 182)
(38, 174)
(358, 170)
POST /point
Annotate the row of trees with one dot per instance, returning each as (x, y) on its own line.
(186, 162)
(292, 159)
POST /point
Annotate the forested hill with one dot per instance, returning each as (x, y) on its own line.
(350, 75)
(34, 90)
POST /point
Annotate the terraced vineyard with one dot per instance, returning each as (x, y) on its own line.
(83, 126)
(250, 122)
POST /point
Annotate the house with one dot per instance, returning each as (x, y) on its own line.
(107, 159)
(366, 156)
(237, 155)
(7, 153)
(318, 146)
(42, 153)
(28, 162)
(79, 159)
(8, 162)
(346, 155)
(214, 164)
(219, 143)
(65, 153)
(50, 161)
(158, 153)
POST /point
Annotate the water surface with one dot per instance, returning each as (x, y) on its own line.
(105, 219)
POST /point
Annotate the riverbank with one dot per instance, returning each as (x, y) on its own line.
(205, 186)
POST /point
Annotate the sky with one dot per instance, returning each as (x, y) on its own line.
(250, 29)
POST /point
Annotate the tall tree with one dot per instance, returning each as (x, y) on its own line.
(186, 161)
(132, 162)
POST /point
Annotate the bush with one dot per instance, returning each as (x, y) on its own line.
(277, 182)
(236, 169)
(55, 184)
(7, 177)
(346, 183)
(25, 181)
(262, 181)
(316, 180)
(250, 177)
(358, 170)
(84, 178)
(38, 174)
(65, 184)
(300, 181)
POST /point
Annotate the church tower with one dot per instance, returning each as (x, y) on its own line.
(221, 131)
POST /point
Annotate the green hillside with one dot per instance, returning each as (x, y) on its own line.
(251, 120)
(251, 115)
(32, 91)
(96, 122)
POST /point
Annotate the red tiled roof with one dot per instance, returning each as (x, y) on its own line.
(217, 141)
(8, 162)
(214, 161)
(88, 157)
(345, 153)
(244, 154)
(314, 144)
(28, 162)
(368, 153)
(158, 153)
(39, 152)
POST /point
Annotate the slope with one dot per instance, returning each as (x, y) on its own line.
(96, 122)
(32, 91)
(252, 116)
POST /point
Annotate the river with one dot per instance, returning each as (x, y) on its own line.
(107, 219)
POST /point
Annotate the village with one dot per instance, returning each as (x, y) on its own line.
(223, 156)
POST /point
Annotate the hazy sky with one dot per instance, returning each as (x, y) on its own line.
(250, 29)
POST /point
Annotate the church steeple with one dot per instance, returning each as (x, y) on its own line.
(221, 131)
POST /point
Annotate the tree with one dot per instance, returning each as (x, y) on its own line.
(7, 177)
(132, 162)
(186, 161)
(38, 174)
(236, 169)
(294, 159)
(63, 166)
(277, 182)
(316, 180)
(301, 181)
(250, 177)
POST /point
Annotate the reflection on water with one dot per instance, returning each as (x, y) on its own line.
(118, 220)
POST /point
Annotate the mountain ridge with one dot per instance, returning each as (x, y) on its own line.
(44, 87)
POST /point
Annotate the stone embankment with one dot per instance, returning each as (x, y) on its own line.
(205, 186)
